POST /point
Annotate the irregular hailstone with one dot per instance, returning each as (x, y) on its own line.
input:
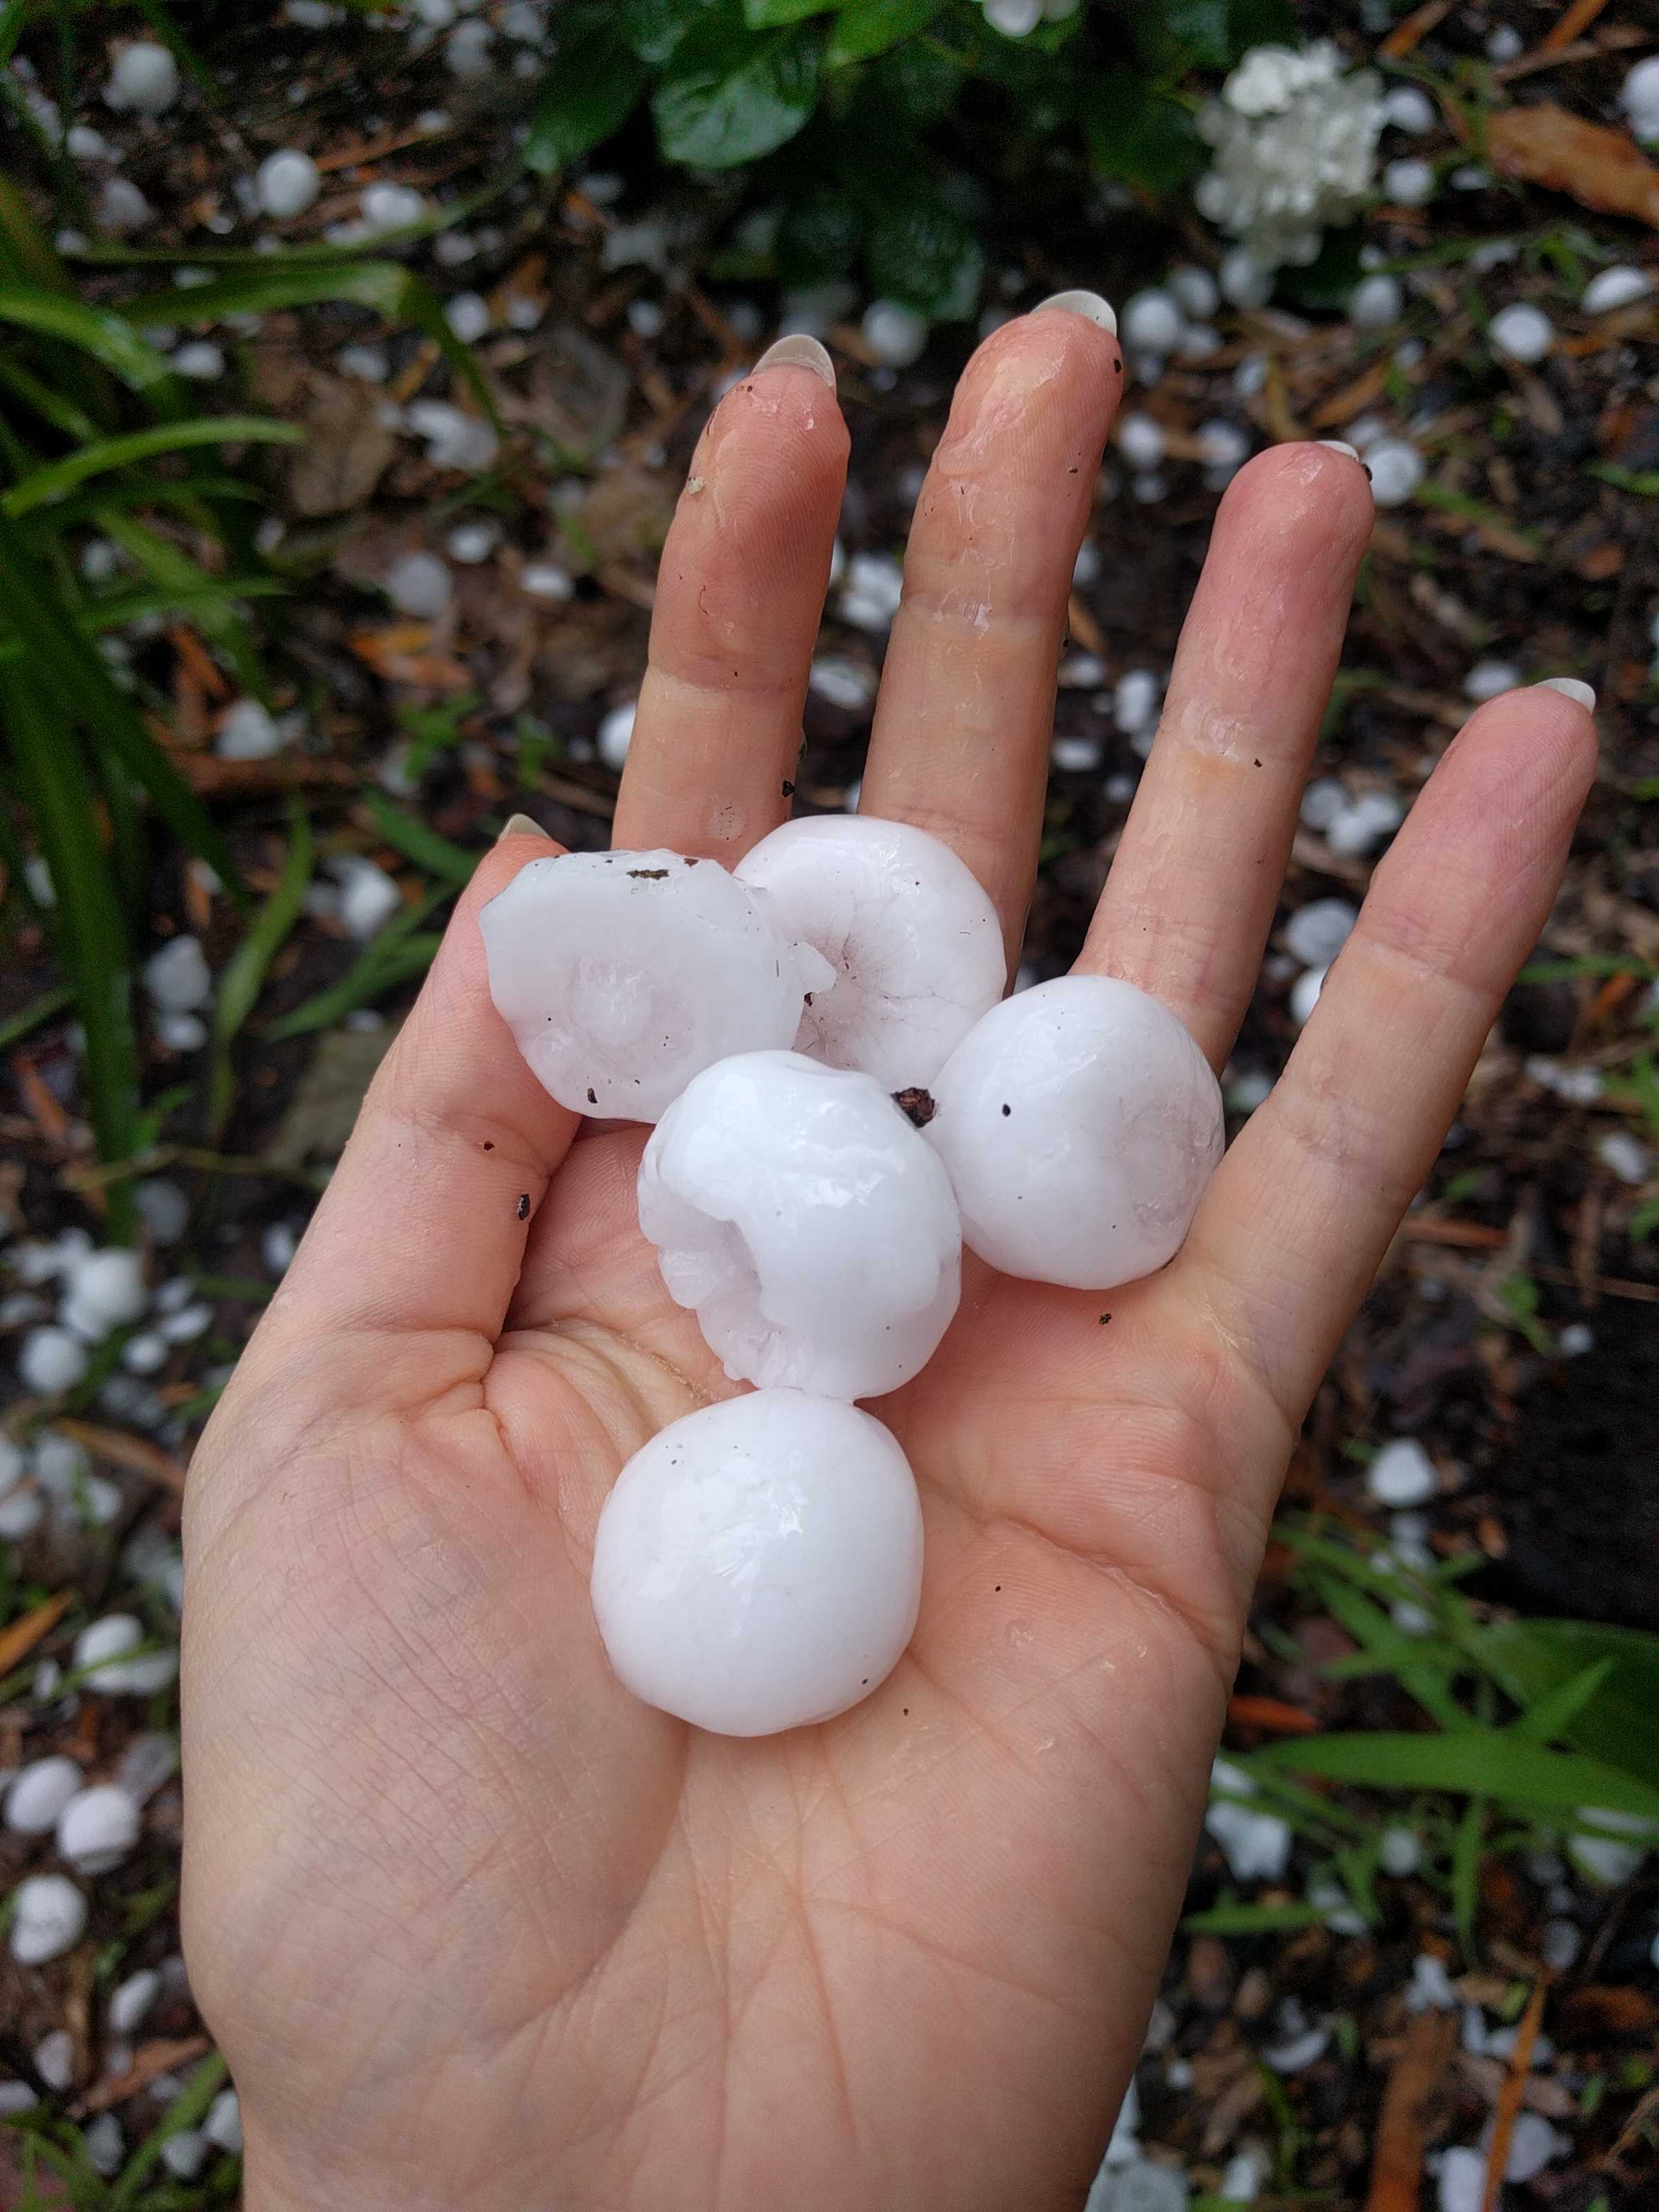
(797, 1211)
(97, 1828)
(101, 1650)
(106, 1291)
(39, 1794)
(624, 975)
(1080, 1123)
(758, 1565)
(915, 942)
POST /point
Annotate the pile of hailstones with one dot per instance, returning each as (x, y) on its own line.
(843, 1099)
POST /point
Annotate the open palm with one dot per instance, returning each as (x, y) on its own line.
(478, 1930)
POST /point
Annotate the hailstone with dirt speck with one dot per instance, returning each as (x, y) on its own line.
(624, 975)
(796, 1209)
(915, 942)
(758, 1565)
(1079, 1123)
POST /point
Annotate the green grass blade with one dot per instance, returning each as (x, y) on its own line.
(281, 281)
(1466, 1870)
(401, 951)
(87, 923)
(61, 476)
(203, 603)
(29, 1019)
(109, 338)
(1251, 1919)
(247, 968)
(439, 856)
(1529, 1660)
(184, 2112)
(172, 570)
(64, 667)
(1472, 1762)
(50, 405)
(1552, 1717)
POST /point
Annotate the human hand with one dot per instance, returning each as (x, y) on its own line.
(477, 1929)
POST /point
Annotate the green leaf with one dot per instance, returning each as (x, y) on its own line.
(61, 476)
(588, 93)
(1259, 23)
(401, 951)
(186, 2109)
(871, 27)
(1549, 1721)
(729, 96)
(1466, 1869)
(1534, 1660)
(209, 598)
(247, 968)
(653, 28)
(1476, 1762)
(418, 842)
(1251, 1919)
(818, 237)
(922, 254)
(28, 1018)
(766, 14)
(1135, 135)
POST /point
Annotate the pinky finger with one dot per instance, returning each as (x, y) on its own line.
(1301, 1211)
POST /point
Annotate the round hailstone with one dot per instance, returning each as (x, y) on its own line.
(286, 184)
(122, 207)
(624, 975)
(616, 735)
(895, 335)
(249, 732)
(1376, 301)
(393, 207)
(1316, 932)
(49, 1917)
(1395, 469)
(108, 1287)
(418, 584)
(97, 1829)
(795, 1207)
(178, 977)
(130, 2001)
(1408, 182)
(51, 1361)
(758, 1565)
(914, 943)
(144, 79)
(1305, 994)
(1134, 700)
(1245, 281)
(102, 1647)
(1077, 756)
(1151, 322)
(39, 1794)
(201, 361)
(1639, 98)
(468, 316)
(1408, 109)
(1522, 331)
(1399, 1852)
(1403, 1474)
(1196, 290)
(1080, 1123)
(1615, 288)
(1222, 444)
(1488, 678)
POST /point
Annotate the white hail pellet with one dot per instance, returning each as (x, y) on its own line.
(1223, 445)
(845, 683)
(418, 584)
(122, 207)
(97, 1829)
(201, 361)
(49, 1917)
(1395, 469)
(108, 1287)
(1245, 281)
(468, 316)
(1316, 932)
(1077, 756)
(1151, 322)
(1399, 1852)
(1408, 109)
(1080, 1123)
(54, 2059)
(101, 1648)
(392, 207)
(624, 975)
(1615, 288)
(39, 1794)
(1403, 1474)
(1134, 700)
(1305, 994)
(1522, 331)
(1639, 98)
(249, 732)
(615, 734)
(223, 2124)
(368, 895)
(1487, 678)
(758, 1565)
(470, 543)
(1608, 1863)
(1408, 182)
(130, 2001)
(186, 2152)
(1196, 289)
(914, 943)
(177, 978)
(1376, 301)
(144, 79)
(286, 184)
(795, 1208)
(50, 1361)
(895, 334)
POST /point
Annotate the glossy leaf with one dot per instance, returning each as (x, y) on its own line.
(729, 96)
(588, 94)
(869, 28)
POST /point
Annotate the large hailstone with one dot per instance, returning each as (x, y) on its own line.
(758, 1565)
(796, 1209)
(1080, 1122)
(915, 942)
(624, 975)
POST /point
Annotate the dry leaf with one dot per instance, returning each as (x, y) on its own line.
(1599, 167)
(402, 654)
(20, 1639)
(347, 449)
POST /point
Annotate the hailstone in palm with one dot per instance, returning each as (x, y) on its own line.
(624, 975)
(913, 941)
(1079, 1123)
(797, 1210)
(758, 1565)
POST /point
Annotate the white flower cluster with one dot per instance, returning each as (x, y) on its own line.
(1295, 143)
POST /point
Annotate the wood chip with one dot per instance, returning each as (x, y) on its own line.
(137, 1454)
(1409, 2104)
(20, 1639)
(153, 2059)
(1415, 28)
(1598, 167)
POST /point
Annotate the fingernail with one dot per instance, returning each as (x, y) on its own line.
(520, 825)
(1337, 446)
(1570, 688)
(799, 351)
(1089, 305)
